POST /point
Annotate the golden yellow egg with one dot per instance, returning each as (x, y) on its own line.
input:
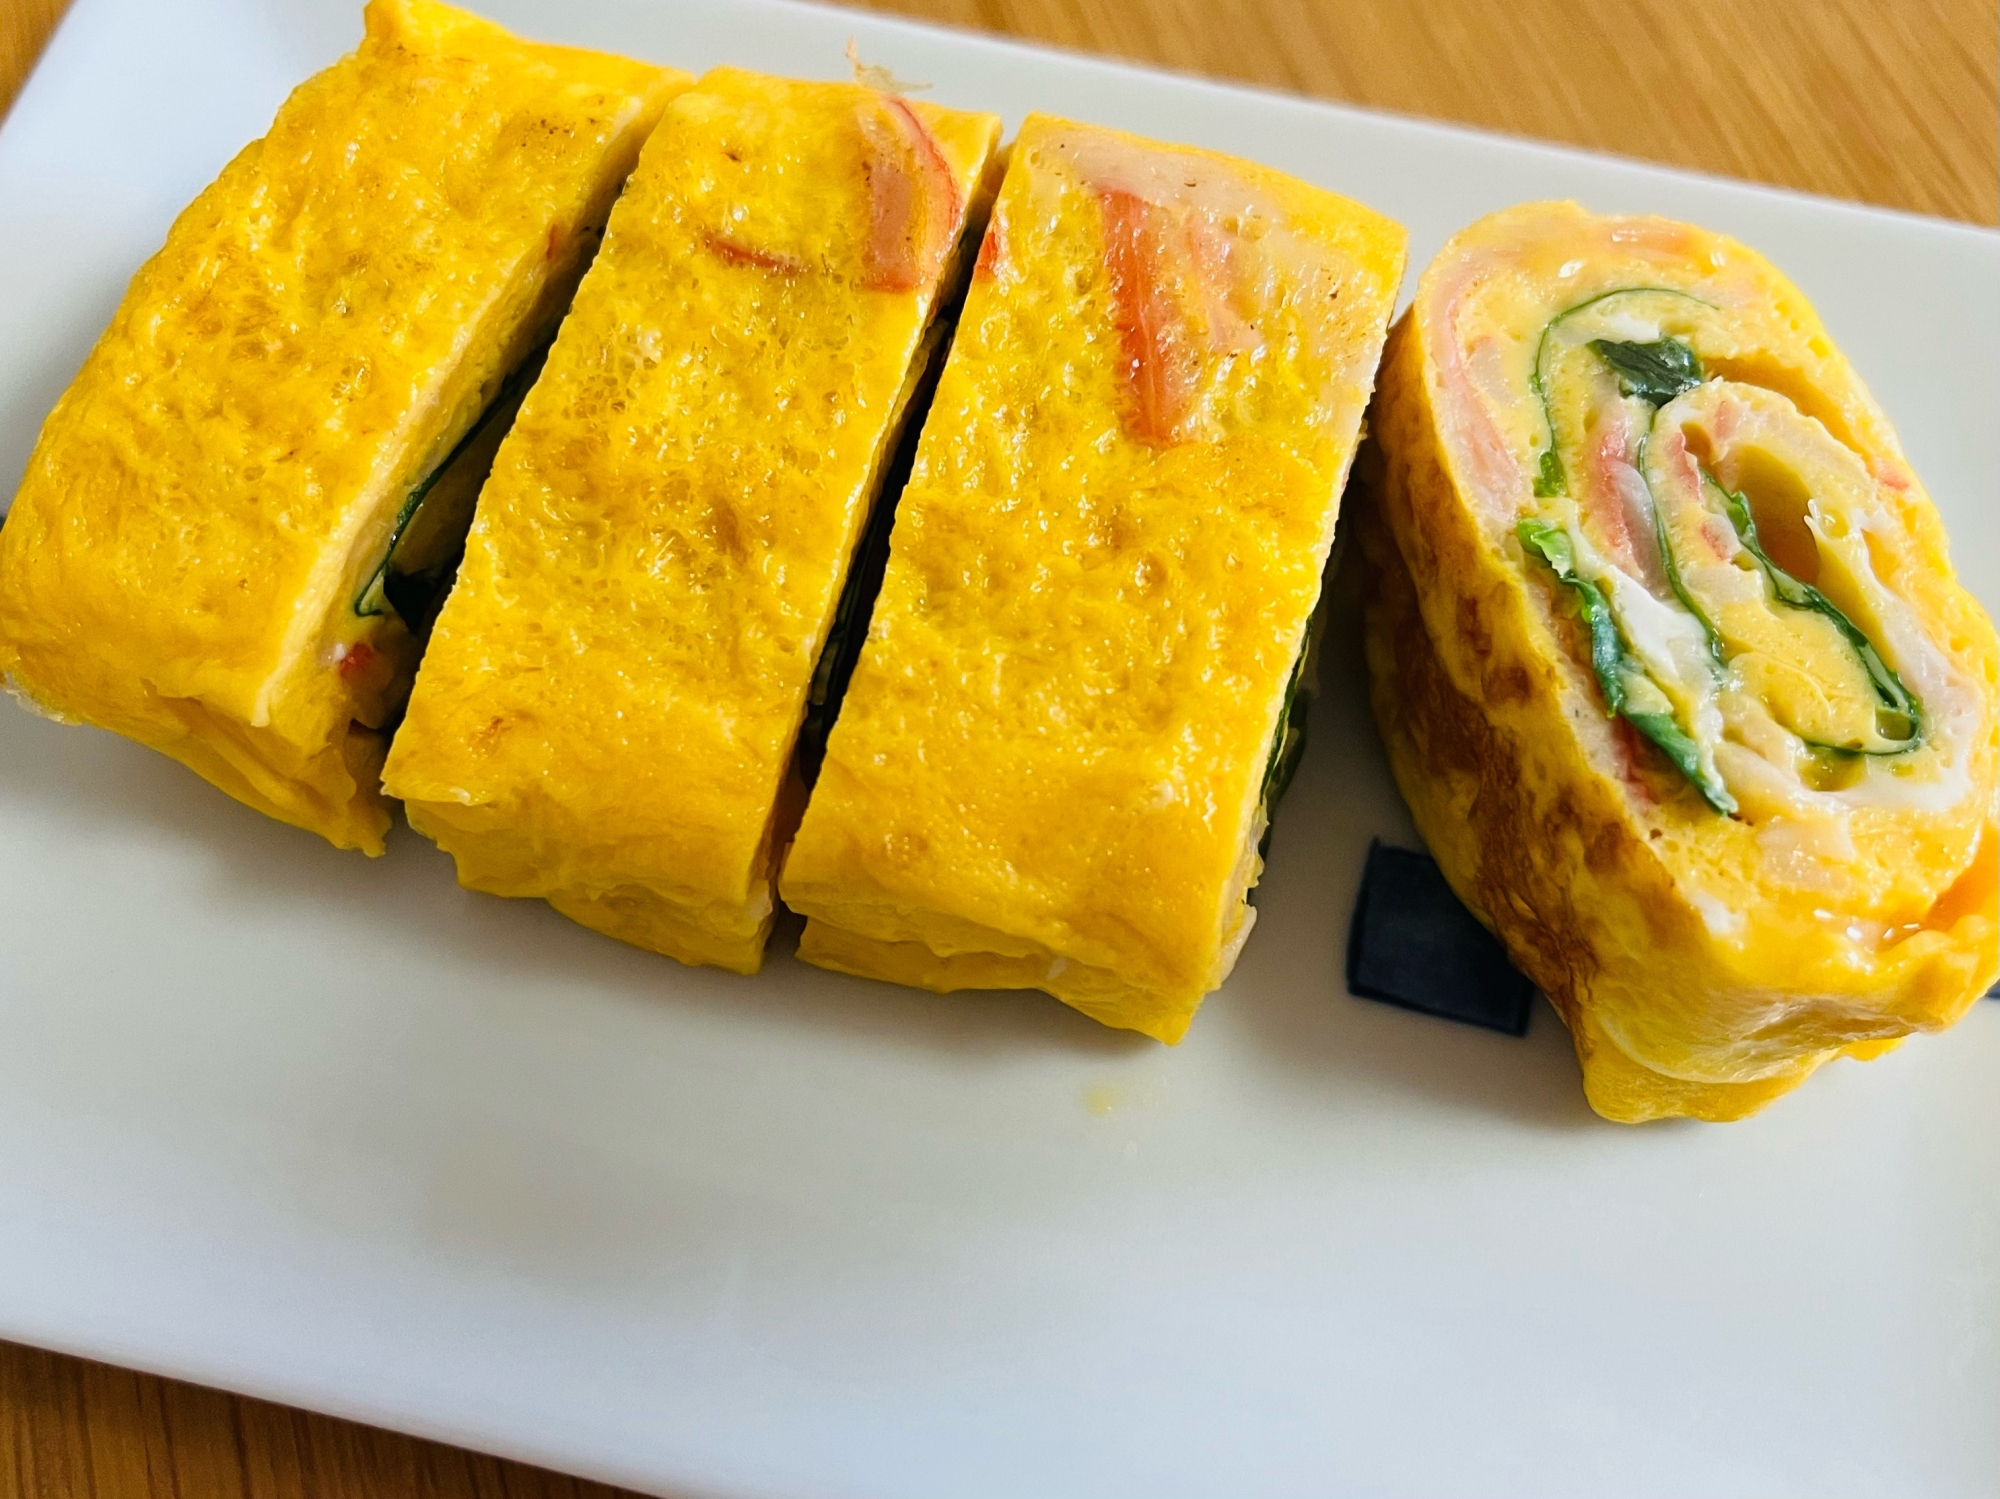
(191, 556)
(1671, 663)
(607, 711)
(1050, 767)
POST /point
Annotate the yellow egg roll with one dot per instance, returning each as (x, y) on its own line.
(1671, 663)
(1053, 764)
(200, 555)
(607, 713)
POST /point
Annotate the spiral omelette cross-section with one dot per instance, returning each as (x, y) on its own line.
(1671, 663)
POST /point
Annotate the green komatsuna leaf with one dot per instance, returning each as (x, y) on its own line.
(1607, 651)
(372, 598)
(1549, 482)
(1654, 372)
(1612, 662)
(1664, 731)
(854, 611)
(1288, 739)
(1286, 749)
(1549, 478)
(1898, 704)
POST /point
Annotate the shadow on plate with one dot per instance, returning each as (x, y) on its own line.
(85, 785)
(1288, 993)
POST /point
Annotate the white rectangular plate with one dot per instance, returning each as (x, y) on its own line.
(281, 1119)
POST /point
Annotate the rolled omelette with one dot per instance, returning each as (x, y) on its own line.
(1051, 766)
(1671, 664)
(204, 553)
(607, 712)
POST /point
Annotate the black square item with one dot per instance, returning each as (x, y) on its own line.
(1414, 944)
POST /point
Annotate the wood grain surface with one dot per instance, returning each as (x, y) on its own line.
(1895, 102)
(1885, 101)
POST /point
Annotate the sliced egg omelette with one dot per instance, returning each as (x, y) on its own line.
(1053, 763)
(607, 713)
(1672, 664)
(204, 553)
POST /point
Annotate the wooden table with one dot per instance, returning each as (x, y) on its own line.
(1895, 102)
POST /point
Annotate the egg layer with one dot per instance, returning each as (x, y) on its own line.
(1049, 770)
(187, 557)
(1671, 662)
(607, 711)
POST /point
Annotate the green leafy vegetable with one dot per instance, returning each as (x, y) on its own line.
(1607, 650)
(1665, 731)
(1288, 744)
(1654, 372)
(411, 593)
(373, 597)
(1620, 675)
(1549, 478)
(856, 606)
(1900, 716)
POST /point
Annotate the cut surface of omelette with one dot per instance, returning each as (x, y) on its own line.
(1050, 767)
(608, 708)
(1671, 663)
(196, 555)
